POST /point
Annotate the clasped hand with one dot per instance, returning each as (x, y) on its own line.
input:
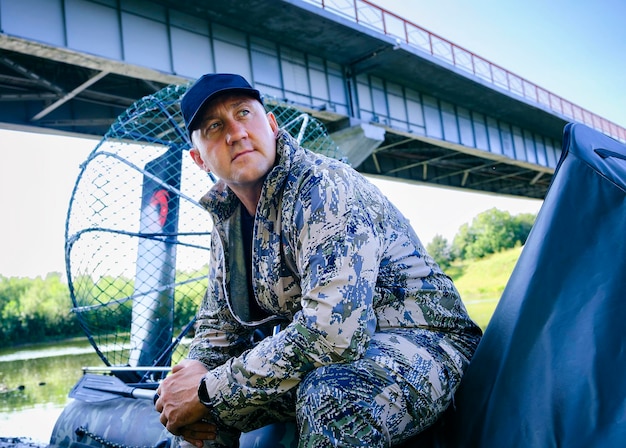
(182, 413)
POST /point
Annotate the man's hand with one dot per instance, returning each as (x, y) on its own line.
(182, 413)
(197, 433)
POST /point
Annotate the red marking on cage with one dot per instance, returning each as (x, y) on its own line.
(160, 199)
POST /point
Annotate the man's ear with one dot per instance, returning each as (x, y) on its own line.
(273, 123)
(197, 158)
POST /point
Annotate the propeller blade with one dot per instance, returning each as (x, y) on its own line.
(93, 388)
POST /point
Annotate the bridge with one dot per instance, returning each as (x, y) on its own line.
(400, 101)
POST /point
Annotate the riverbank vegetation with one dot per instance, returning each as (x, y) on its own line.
(34, 310)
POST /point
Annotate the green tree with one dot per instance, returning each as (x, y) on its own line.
(34, 309)
(462, 240)
(523, 224)
(45, 308)
(490, 232)
(440, 250)
(11, 289)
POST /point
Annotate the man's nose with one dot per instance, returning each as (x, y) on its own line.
(235, 132)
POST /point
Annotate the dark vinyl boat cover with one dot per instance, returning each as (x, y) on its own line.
(551, 368)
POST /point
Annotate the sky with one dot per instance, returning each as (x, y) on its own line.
(572, 48)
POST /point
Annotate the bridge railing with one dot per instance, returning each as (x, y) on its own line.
(403, 31)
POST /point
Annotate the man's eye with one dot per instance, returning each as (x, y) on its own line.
(243, 112)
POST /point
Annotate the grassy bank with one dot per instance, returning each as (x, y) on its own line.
(481, 282)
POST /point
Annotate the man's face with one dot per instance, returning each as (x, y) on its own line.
(236, 140)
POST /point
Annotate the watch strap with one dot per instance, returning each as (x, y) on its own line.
(203, 394)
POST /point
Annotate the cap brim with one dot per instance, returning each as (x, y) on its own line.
(194, 122)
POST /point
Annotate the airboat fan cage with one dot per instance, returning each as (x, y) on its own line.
(136, 238)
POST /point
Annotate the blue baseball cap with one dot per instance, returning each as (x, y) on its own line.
(207, 88)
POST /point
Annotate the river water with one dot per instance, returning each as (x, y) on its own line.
(34, 385)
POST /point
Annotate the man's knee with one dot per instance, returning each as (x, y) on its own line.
(335, 383)
(336, 405)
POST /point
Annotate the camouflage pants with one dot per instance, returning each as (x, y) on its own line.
(372, 402)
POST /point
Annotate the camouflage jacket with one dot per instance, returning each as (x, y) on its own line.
(335, 260)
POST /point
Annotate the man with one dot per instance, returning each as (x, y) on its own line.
(373, 338)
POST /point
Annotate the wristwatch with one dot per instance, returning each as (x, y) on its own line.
(203, 394)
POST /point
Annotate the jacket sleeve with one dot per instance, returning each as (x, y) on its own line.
(337, 252)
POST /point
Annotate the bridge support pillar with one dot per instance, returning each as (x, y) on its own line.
(358, 141)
